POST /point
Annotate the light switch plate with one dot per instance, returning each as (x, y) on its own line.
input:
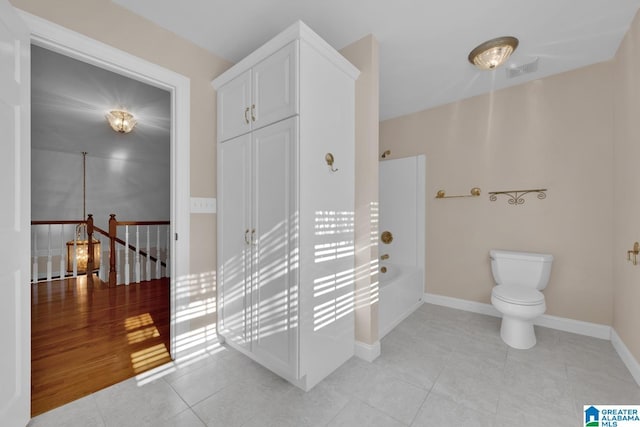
(203, 205)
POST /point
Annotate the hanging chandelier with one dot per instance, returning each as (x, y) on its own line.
(78, 249)
(121, 121)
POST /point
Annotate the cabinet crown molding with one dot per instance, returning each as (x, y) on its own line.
(298, 31)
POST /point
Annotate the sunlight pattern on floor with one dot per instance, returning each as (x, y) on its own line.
(440, 367)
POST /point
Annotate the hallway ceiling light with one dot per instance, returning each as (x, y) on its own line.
(121, 121)
(493, 53)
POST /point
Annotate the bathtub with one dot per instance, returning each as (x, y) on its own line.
(401, 289)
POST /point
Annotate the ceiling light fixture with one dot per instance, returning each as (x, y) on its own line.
(493, 53)
(121, 121)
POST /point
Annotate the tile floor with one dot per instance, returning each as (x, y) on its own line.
(440, 367)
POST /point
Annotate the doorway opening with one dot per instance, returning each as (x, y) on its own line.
(99, 315)
(61, 40)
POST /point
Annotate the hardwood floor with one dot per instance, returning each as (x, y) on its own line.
(85, 338)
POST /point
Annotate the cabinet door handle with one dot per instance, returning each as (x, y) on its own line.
(246, 237)
(253, 112)
(246, 118)
(253, 237)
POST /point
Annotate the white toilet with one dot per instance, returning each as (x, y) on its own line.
(520, 276)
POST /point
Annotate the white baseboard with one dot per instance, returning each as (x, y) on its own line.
(595, 330)
(626, 356)
(368, 352)
(461, 304)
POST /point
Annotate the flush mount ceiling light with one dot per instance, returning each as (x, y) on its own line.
(121, 121)
(493, 53)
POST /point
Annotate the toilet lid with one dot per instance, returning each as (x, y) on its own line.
(517, 294)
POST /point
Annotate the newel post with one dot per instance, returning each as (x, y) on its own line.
(90, 260)
(113, 231)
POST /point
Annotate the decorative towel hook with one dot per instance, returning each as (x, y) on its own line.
(329, 159)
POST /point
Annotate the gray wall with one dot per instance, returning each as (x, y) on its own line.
(133, 190)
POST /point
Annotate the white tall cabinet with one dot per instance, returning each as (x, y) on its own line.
(286, 216)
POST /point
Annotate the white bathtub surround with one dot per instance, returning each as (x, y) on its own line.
(400, 295)
(579, 327)
(401, 277)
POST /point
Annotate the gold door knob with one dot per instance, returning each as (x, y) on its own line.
(386, 237)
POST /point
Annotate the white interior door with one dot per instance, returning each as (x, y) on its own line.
(15, 307)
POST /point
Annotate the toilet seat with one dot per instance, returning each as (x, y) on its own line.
(517, 294)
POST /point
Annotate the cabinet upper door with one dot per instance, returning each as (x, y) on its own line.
(234, 239)
(234, 107)
(275, 87)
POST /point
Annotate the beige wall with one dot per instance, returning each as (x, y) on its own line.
(626, 317)
(364, 55)
(553, 133)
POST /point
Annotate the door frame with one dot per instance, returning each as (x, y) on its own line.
(62, 40)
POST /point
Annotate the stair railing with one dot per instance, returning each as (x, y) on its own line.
(69, 242)
(128, 262)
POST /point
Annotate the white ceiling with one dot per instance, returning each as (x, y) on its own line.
(423, 44)
(69, 100)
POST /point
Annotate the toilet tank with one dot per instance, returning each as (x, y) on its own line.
(521, 268)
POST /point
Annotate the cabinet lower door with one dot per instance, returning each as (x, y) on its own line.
(234, 240)
(275, 283)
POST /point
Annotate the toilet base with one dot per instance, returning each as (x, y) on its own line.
(517, 333)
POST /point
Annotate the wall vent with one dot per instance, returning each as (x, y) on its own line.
(516, 71)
